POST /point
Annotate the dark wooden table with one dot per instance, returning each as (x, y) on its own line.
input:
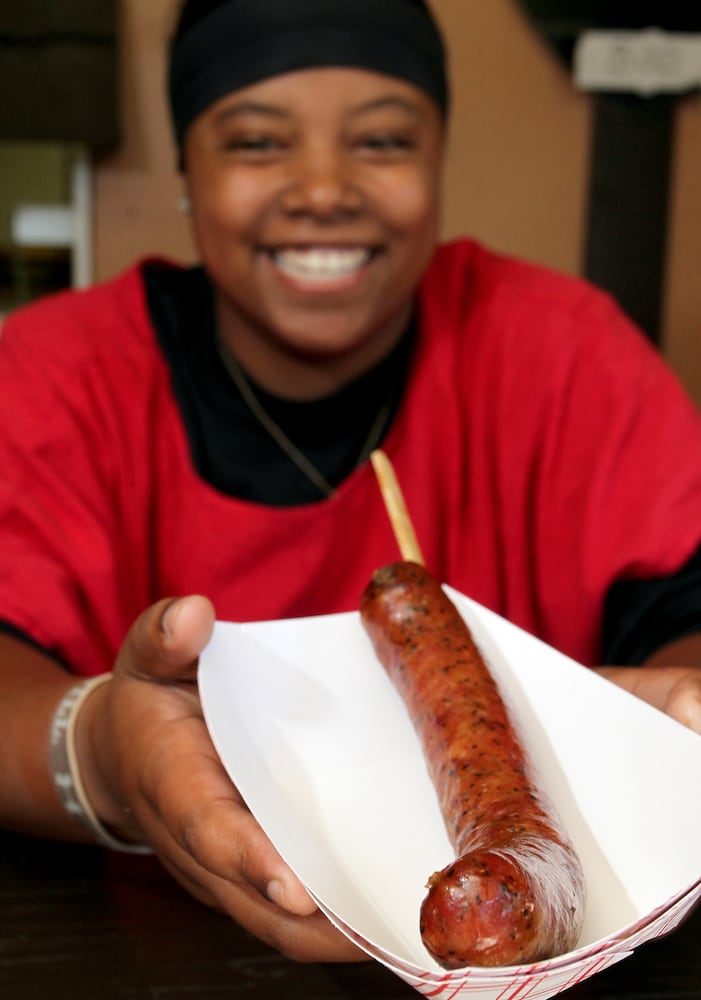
(83, 924)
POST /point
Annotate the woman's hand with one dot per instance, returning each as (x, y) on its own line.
(152, 774)
(670, 680)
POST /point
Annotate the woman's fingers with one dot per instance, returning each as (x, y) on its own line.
(675, 690)
(157, 765)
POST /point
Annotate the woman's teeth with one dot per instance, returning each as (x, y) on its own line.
(321, 263)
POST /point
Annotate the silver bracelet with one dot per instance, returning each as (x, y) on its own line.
(66, 770)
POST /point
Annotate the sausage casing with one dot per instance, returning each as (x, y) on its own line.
(515, 893)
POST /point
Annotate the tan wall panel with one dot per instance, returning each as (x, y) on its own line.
(516, 175)
(517, 169)
(682, 318)
(137, 189)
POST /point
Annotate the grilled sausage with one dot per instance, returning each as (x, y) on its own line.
(515, 893)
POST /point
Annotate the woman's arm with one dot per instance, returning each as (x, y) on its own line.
(669, 679)
(152, 775)
(31, 687)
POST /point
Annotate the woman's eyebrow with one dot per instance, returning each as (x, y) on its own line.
(248, 108)
(390, 101)
(239, 108)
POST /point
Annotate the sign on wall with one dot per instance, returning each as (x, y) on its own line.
(637, 59)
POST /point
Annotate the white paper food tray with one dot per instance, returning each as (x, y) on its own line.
(320, 746)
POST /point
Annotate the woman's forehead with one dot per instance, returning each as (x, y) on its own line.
(349, 89)
(242, 42)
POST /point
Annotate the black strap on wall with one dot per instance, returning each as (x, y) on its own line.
(626, 238)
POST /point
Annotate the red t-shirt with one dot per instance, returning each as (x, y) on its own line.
(543, 447)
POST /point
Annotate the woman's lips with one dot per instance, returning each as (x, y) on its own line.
(320, 264)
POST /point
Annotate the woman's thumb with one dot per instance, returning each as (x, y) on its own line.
(167, 639)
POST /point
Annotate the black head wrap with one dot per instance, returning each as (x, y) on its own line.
(239, 42)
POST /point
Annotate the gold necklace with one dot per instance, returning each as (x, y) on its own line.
(276, 432)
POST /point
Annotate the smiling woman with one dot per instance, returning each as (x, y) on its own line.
(314, 202)
(312, 161)
(183, 439)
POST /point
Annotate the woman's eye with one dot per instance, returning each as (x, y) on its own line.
(253, 144)
(386, 143)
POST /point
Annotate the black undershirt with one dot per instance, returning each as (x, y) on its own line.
(230, 449)
(233, 453)
(640, 616)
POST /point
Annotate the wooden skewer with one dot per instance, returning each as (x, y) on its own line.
(396, 508)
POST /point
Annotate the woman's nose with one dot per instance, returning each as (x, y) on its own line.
(323, 183)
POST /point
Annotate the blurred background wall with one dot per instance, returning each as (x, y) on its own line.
(517, 172)
(516, 177)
